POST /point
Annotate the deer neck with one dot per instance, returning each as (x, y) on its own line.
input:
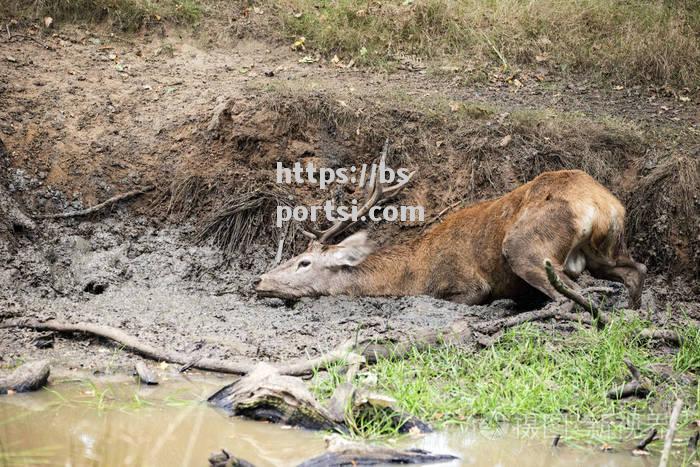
(387, 272)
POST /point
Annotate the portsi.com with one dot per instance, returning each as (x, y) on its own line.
(352, 213)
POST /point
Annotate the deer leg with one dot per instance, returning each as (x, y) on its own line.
(543, 234)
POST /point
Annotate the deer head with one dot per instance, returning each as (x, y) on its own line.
(326, 269)
(320, 270)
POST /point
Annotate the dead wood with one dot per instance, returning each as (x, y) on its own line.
(663, 335)
(100, 206)
(145, 374)
(344, 453)
(651, 436)
(28, 377)
(638, 387)
(693, 442)
(300, 367)
(670, 433)
(555, 441)
(266, 395)
(224, 459)
(600, 319)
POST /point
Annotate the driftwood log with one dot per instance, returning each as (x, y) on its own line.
(266, 395)
(224, 459)
(28, 377)
(343, 453)
(145, 374)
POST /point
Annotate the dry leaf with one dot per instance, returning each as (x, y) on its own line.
(299, 44)
(505, 141)
(48, 21)
(618, 88)
(542, 58)
(684, 98)
(455, 106)
(335, 59)
(308, 59)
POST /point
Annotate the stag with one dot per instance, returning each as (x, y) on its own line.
(489, 250)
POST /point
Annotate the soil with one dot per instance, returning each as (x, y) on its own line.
(86, 115)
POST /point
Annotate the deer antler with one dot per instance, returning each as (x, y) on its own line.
(378, 194)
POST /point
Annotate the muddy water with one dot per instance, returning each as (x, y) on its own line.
(118, 423)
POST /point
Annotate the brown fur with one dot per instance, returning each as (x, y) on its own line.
(496, 248)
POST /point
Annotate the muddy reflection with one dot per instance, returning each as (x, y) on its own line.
(119, 423)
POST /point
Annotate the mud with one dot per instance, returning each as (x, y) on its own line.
(94, 115)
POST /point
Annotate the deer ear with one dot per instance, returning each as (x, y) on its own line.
(353, 250)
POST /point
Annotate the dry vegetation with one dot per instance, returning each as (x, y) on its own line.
(125, 15)
(630, 41)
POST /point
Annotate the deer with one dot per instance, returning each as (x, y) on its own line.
(493, 249)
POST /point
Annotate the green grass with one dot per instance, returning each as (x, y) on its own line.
(125, 15)
(537, 381)
(635, 40)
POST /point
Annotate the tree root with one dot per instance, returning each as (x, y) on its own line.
(100, 206)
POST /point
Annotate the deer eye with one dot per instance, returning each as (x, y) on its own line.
(304, 263)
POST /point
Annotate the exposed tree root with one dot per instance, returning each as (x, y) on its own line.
(100, 206)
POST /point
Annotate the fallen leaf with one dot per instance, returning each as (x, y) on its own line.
(12, 59)
(48, 21)
(299, 44)
(517, 83)
(606, 447)
(298, 15)
(684, 98)
(455, 106)
(308, 59)
(505, 141)
(618, 88)
(335, 59)
(541, 58)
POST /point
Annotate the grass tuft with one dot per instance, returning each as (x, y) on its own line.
(536, 378)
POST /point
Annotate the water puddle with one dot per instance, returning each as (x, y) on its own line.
(119, 423)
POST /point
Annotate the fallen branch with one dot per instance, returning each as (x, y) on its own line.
(651, 436)
(100, 206)
(664, 335)
(28, 377)
(599, 318)
(129, 342)
(670, 433)
(343, 452)
(637, 387)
